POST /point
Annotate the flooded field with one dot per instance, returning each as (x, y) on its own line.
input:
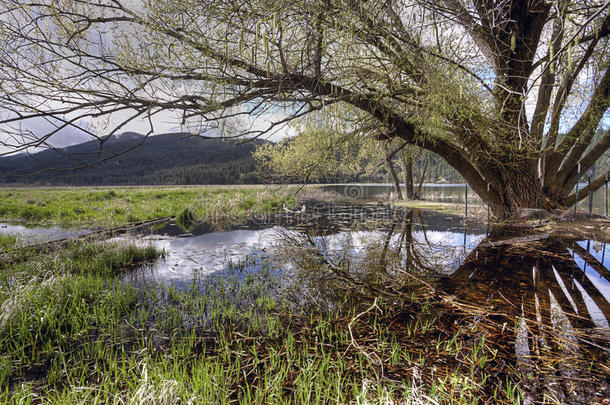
(466, 308)
(450, 193)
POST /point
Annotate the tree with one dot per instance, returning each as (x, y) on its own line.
(508, 92)
(407, 158)
(316, 155)
(336, 150)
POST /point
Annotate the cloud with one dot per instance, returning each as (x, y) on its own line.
(29, 131)
(33, 130)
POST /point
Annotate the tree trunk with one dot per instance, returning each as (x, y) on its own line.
(518, 187)
(513, 185)
(406, 163)
(418, 194)
(395, 179)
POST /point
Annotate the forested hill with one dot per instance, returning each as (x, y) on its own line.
(162, 159)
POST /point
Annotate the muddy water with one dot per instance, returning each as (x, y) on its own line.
(554, 294)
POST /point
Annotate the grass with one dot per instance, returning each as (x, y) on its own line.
(119, 206)
(60, 310)
(74, 330)
(7, 242)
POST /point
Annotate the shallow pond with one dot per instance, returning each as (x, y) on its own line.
(30, 235)
(431, 244)
(339, 232)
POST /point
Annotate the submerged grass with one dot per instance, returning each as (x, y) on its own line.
(124, 205)
(62, 312)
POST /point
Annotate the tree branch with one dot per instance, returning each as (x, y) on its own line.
(595, 184)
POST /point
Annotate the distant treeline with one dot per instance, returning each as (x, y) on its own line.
(163, 159)
(438, 171)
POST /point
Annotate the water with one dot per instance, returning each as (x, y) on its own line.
(451, 193)
(31, 235)
(545, 297)
(428, 243)
(200, 255)
(339, 231)
(558, 274)
(508, 279)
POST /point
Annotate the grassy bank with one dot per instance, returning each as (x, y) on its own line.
(118, 206)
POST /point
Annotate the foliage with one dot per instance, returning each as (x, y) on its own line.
(319, 154)
(328, 148)
(7, 242)
(160, 159)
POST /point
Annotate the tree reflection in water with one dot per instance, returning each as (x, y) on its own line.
(542, 304)
(556, 293)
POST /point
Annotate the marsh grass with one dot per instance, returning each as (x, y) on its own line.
(119, 206)
(75, 329)
(7, 242)
(73, 332)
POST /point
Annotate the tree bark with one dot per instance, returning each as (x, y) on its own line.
(418, 194)
(406, 163)
(395, 179)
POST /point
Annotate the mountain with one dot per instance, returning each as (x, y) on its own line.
(127, 137)
(132, 158)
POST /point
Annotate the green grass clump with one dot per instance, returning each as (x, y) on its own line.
(119, 206)
(448, 208)
(105, 259)
(7, 242)
(43, 325)
(64, 313)
(186, 219)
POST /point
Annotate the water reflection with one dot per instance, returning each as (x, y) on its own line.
(397, 241)
(556, 294)
(428, 242)
(195, 256)
(508, 277)
(543, 302)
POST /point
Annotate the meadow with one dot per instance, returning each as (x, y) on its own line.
(116, 206)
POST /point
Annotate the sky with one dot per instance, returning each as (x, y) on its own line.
(163, 122)
(168, 121)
